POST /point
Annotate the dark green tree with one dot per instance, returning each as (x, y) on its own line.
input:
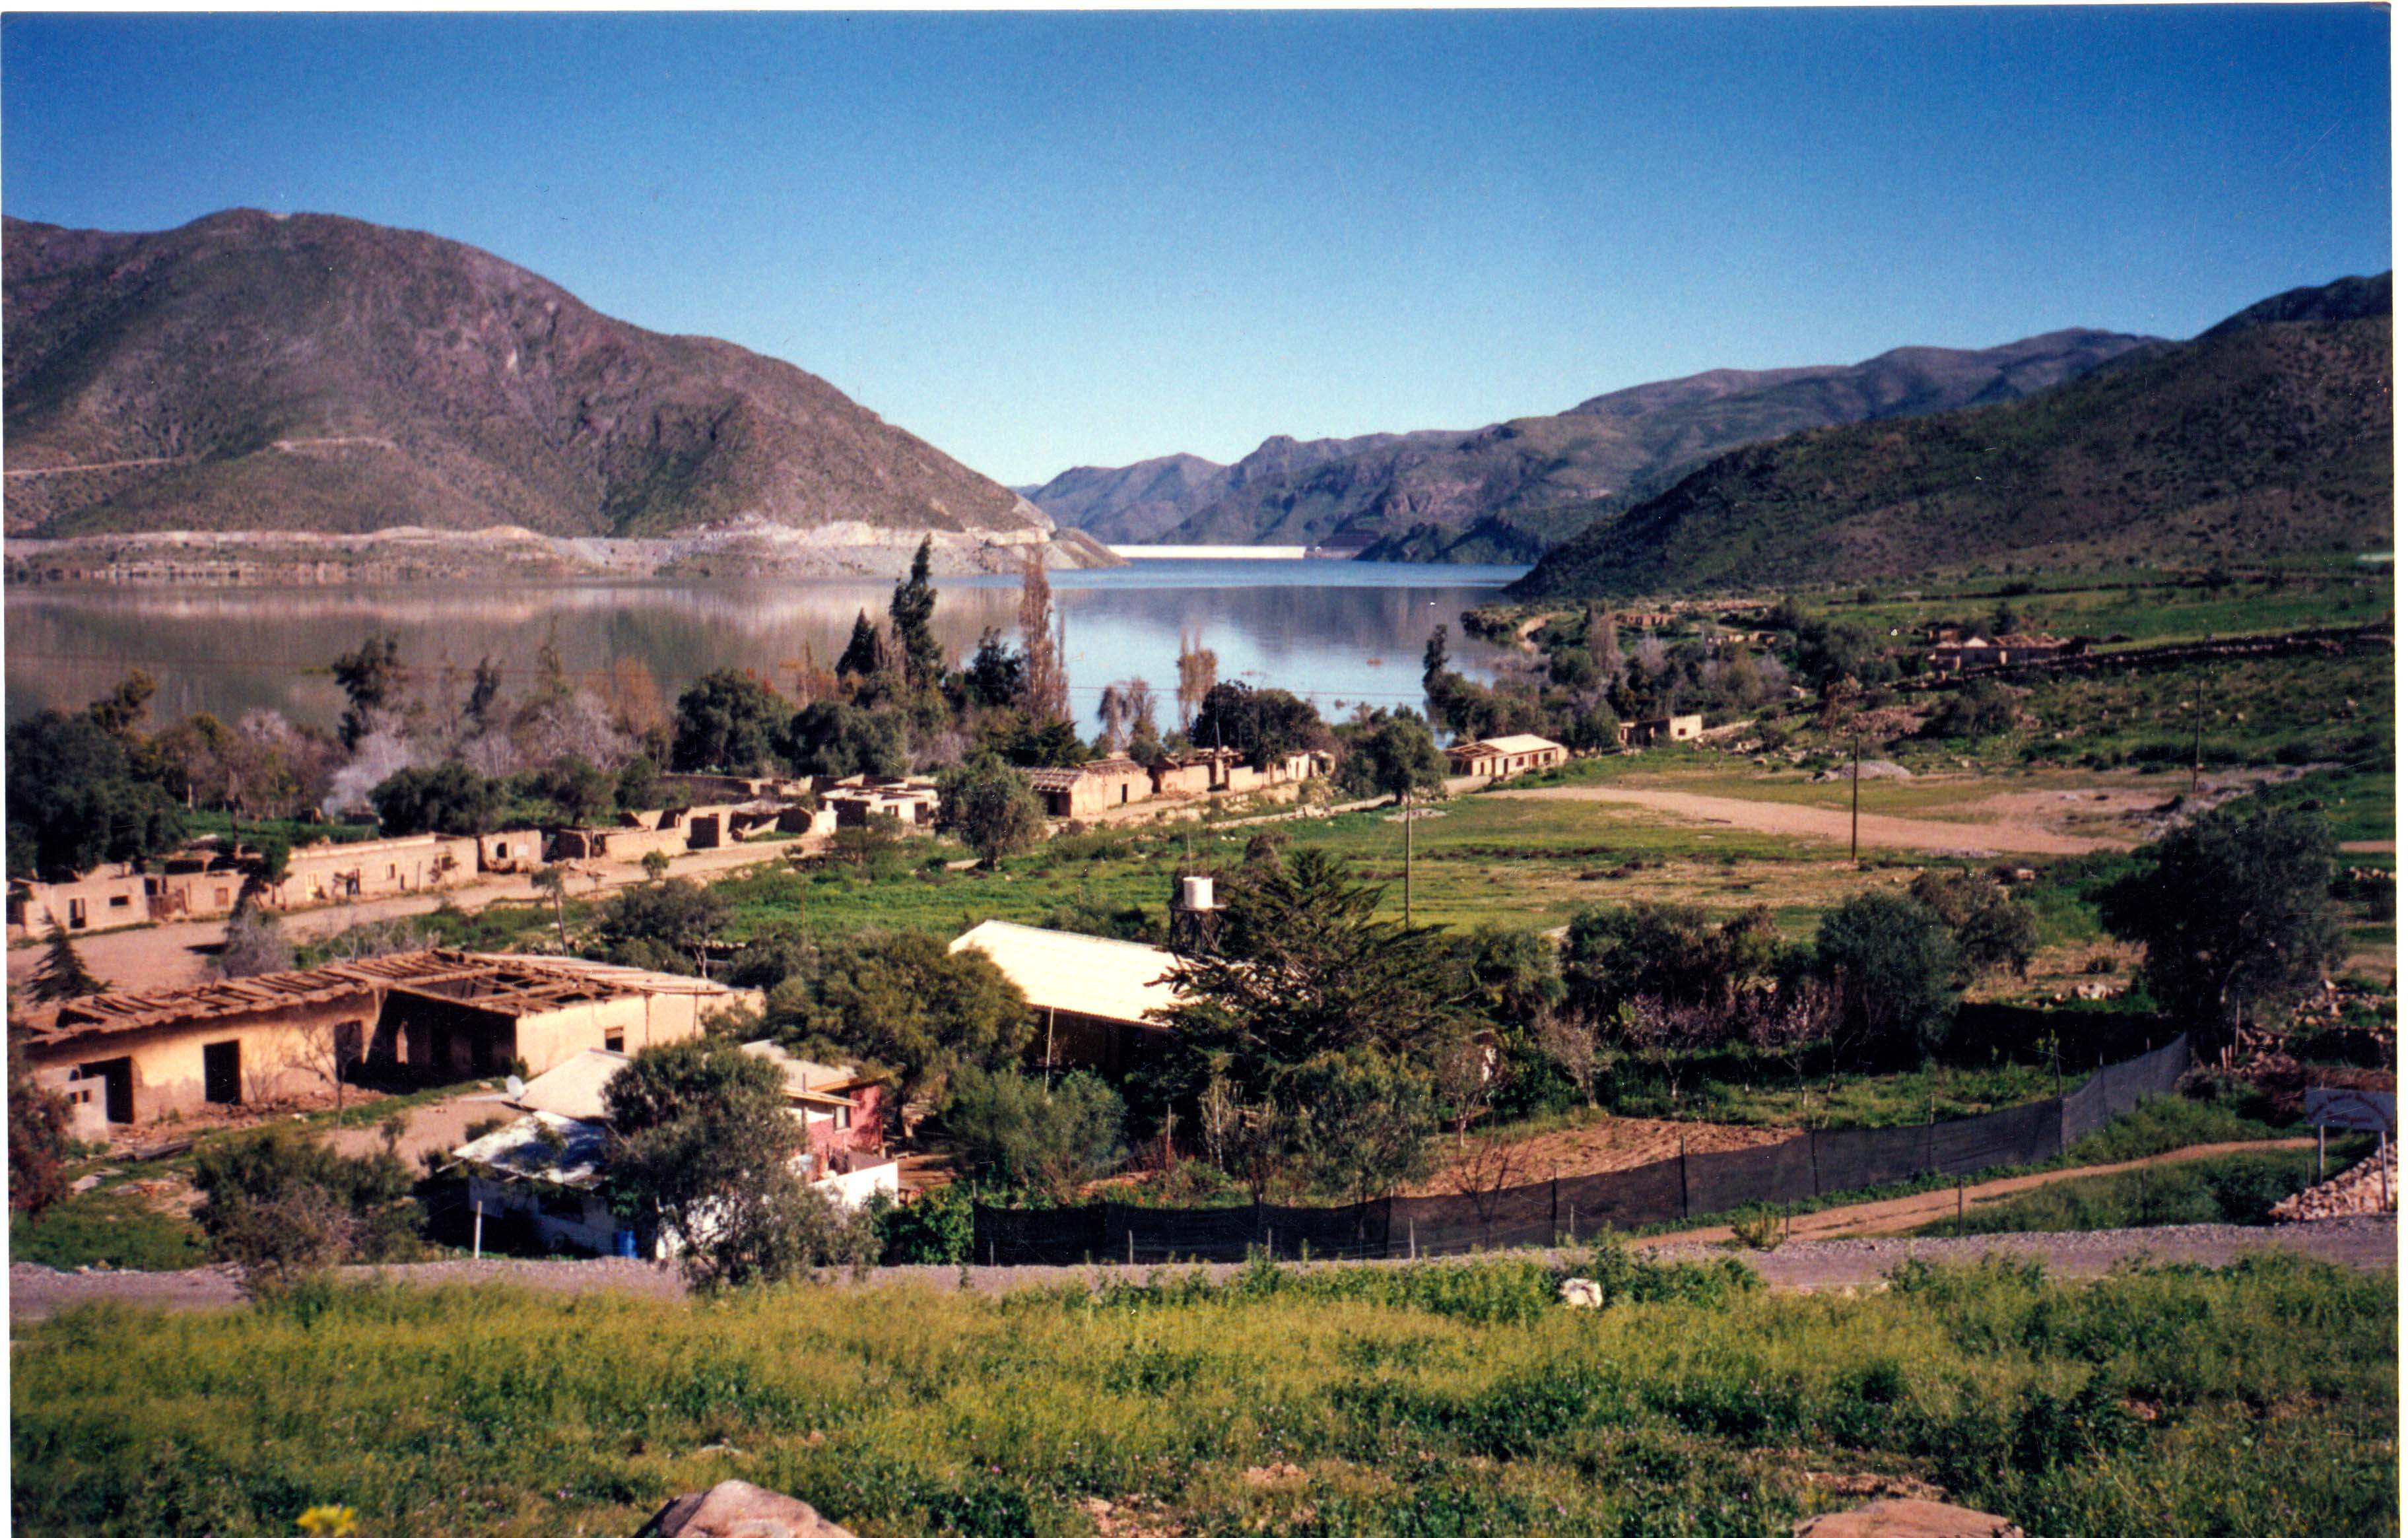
(990, 806)
(1982, 708)
(123, 711)
(447, 798)
(581, 792)
(2236, 912)
(75, 801)
(1895, 965)
(702, 1148)
(1675, 953)
(865, 654)
(829, 736)
(1363, 1123)
(730, 723)
(371, 680)
(995, 676)
(665, 926)
(61, 974)
(1992, 929)
(912, 612)
(904, 1006)
(1400, 758)
(1303, 965)
(1261, 723)
(484, 694)
(1017, 1132)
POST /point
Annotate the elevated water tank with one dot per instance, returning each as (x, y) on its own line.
(1196, 894)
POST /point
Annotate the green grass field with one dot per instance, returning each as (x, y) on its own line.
(1444, 1399)
(2235, 1188)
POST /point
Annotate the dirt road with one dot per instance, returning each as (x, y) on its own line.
(169, 956)
(2360, 1244)
(1902, 1214)
(2012, 831)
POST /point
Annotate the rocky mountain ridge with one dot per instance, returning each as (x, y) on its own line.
(310, 374)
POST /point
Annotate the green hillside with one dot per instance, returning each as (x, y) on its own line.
(2266, 438)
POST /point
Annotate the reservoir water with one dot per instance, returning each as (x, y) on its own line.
(1338, 632)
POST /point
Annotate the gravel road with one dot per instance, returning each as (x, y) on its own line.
(2361, 1244)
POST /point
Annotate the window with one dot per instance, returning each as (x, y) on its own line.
(76, 919)
(120, 902)
(225, 896)
(844, 1118)
(614, 1040)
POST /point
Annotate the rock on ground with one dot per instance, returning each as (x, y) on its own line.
(733, 1509)
(1907, 1519)
(2370, 1185)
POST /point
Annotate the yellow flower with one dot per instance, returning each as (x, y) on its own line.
(329, 1522)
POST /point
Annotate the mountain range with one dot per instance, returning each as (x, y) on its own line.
(2267, 435)
(1505, 491)
(261, 372)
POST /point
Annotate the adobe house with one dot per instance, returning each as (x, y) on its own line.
(1090, 788)
(327, 871)
(910, 803)
(428, 1016)
(112, 897)
(512, 851)
(1092, 996)
(1497, 758)
(1662, 728)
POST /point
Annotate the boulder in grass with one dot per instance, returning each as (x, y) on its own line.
(1907, 1519)
(1580, 1292)
(733, 1509)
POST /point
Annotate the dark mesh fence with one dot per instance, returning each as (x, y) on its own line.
(2113, 1090)
(1669, 1190)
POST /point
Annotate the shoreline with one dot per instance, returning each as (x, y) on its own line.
(271, 558)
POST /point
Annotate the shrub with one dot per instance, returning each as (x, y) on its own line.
(1014, 1130)
(281, 1204)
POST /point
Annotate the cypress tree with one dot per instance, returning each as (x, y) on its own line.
(61, 974)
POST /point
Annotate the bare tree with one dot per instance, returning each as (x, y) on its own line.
(1655, 1032)
(1790, 1026)
(1485, 1172)
(1468, 1076)
(1198, 671)
(1112, 711)
(554, 879)
(1571, 1043)
(1044, 691)
(254, 944)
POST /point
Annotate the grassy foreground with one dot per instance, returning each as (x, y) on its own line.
(1439, 1400)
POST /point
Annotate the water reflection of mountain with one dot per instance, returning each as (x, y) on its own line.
(1314, 627)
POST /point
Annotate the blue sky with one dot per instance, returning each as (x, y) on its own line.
(1046, 239)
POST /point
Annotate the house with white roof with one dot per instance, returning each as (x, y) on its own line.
(1498, 758)
(1093, 997)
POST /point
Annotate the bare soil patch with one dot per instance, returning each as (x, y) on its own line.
(1616, 1143)
(2010, 824)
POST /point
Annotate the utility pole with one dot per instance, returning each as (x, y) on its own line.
(2197, 725)
(1409, 856)
(1855, 787)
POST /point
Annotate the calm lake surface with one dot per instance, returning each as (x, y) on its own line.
(1338, 632)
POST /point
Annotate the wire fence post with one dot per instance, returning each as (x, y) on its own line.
(1685, 1177)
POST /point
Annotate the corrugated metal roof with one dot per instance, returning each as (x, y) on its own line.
(522, 1150)
(1081, 975)
(510, 985)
